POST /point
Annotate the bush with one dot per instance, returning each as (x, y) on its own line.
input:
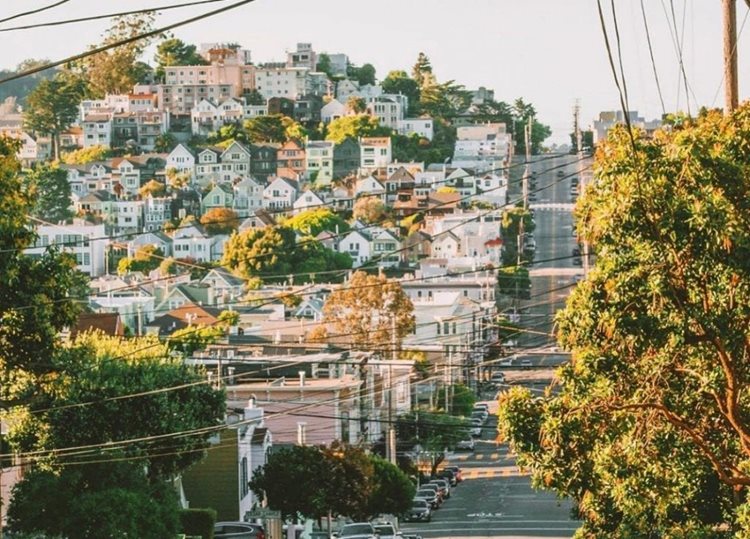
(198, 522)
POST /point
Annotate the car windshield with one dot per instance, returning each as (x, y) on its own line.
(424, 493)
(416, 504)
(356, 529)
(385, 530)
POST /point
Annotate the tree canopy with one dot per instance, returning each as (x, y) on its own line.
(355, 126)
(273, 128)
(273, 253)
(305, 481)
(51, 192)
(313, 222)
(648, 431)
(52, 107)
(220, 221)
(368, 308)
(369, 209)
(175, 52)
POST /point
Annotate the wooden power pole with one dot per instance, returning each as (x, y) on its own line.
(729, 11)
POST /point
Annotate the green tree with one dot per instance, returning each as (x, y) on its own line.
(51, 193)
(86, 155)
(220, 221)
(165, 143)
(324, 65)
(510, 228)
(229, 318)
(433, 431)
(177, 179)
(295, 481)
(587, 140)
(36, 301)
(368, 308)
(93, 501)
(227, 134)
(462, 402)
(175, 52)
(522, 112)
(444, 100)
(651, 406)
(363, 75)
(192, 338)
(254, 97)
(145, 260)
(356, 104)
(255, 252)
(360, 125)
(514, 281)
(392, 491)
(273, 128)
(52, 107)
(152, 188)
(115, 71)
(421, 73)
(98, 370)
(313, 222)
(169, 266)
(398, 82)
(369, 209)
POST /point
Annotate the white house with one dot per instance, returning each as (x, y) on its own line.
(182, 159)
(370, 187)
(375, 152)
(193, 242)
(345, 89)
(158, 239)
(307, 200)
(385, 247)
(333, 110)
(97, 130)
(87, 243)
(388, 111)
(248, 196)
(319, 156)
(357, 245)
(156, 212)
(225, 165)
(279, 194)
(423, 127)
(127, 216)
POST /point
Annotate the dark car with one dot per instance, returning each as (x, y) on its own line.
(428, 495)
(449, 475)
(238, 530)
(455, 473)
(421, 511)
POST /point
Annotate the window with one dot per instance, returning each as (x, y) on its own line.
(244, 478)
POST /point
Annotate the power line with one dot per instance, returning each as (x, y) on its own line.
(107, 16)
(121, 42)
(653, 62)
(34, 11)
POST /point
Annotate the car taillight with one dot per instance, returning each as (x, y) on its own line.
(261, 535)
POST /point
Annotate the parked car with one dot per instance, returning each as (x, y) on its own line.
(465, 445)
(525, 363)
(429, 495)
(449, 475)
(387, 531)
(421, 511)
(506, 362)
(560, 173)
(434, 487)
(476, 428)
(455, 471)
(238, 530)
(443, 485)
(410, 536)
(357, 530)
(481, 415)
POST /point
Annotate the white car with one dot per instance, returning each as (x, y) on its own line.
(357, 530)
(476, 428)
(466, 445)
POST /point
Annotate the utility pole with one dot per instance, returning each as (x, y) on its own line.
(729, 12)
(581, 180)
(391, 434)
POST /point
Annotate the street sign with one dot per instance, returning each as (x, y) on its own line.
(262, 512)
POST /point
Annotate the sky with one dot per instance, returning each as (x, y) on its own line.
(549, 52)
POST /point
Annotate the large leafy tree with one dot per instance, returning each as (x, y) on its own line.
(421, 73)
(52, 193)
(116, 70)
(220, 221)
(368, 309)
(434, 432)
(273, 253)
(98, 370)
(392, 491)
(52, 107)
(648, 432)
(175, 52)
(355, 126)
(364, 74)
(273, 128)
(313, 222)
(369, 209)
(36, 301)
(145, 259)
(398, 82)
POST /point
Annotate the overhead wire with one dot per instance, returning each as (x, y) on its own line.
(653, 61)
(106, 16)
(121, 42)
(34, 11)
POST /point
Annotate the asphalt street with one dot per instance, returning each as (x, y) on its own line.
(495, 499)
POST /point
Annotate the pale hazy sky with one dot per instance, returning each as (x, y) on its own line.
(550, 52)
